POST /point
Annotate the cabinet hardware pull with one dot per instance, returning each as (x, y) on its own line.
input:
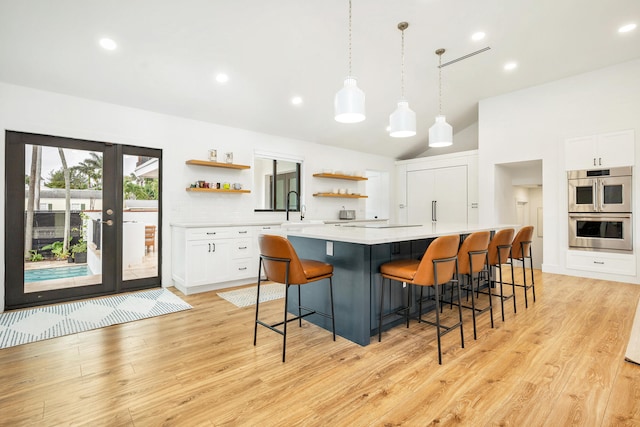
(212, 232)
(242, 247)
(214, 247)
(598, 262)
(594, 161)
(242, 268)
(243, 232)
(266, 228)
(600, 161)
(209, 246)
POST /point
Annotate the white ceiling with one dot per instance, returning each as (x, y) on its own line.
(169, 52)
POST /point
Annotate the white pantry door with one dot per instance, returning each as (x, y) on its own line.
(441, 193)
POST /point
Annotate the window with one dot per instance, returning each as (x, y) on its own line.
(273, 192)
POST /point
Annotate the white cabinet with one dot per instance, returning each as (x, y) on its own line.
(438, 194)
(208, 258)
(600, 151)
(207, 261)
(602, 262)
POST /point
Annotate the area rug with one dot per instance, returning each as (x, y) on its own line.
(247, 296)
(41, 323)
(633, 347)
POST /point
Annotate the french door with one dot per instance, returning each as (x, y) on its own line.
(82, 219)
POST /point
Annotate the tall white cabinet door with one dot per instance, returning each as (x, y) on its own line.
(420, 194)
(451, 194)
(441, 192)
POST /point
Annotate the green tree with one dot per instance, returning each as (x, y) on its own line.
(57, 179)
(140, 188)
(91, 169)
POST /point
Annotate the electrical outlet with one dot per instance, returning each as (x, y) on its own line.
(330, 248)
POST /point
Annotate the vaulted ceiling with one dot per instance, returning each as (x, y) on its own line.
(169, 53)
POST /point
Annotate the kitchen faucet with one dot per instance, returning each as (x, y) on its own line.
(297, 203)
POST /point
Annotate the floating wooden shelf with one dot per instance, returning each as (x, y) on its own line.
(336, 176)
(216, 190)
(345, 196)
(216, 165)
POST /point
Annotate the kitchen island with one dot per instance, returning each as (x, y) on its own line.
(356, 253)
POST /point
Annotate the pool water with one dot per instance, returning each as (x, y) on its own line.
(39, 275)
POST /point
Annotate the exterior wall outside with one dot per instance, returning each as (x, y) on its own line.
(30, 110)
(532, 124)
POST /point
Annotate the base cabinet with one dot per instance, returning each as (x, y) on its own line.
(210, 258)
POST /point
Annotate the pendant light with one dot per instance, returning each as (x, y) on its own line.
(349, 101)
(441, 133)
(402, 122)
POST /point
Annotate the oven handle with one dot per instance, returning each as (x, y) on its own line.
(601, 194)
(595, 195)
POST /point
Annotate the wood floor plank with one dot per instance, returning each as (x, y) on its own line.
(558, 362)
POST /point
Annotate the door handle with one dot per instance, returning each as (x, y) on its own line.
(108, 222)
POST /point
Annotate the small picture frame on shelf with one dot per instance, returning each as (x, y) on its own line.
(228, 157)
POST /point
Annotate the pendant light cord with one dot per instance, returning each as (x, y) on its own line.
(439, 52)
(350, 38)
(402, 69)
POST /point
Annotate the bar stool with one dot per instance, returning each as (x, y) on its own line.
(282, 265)
(437, 267)
(473, 260)
(500, 253)
(521, 250)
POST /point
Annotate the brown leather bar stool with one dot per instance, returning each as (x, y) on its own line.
(521, 250)
(473, 260)
(282, 265)
(500, 253)
(437, 267)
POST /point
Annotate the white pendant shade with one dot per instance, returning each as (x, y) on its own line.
(402, 122)
(441, 133)
(349, 102)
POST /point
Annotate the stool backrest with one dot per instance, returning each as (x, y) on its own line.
(522, 242)
(478, 241)
(500, 245)
(280, 247)
(441, 248)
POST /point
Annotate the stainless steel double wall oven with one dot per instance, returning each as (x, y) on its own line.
(600, 209)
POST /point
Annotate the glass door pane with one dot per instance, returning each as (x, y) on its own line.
(140, 219)
(62, 208)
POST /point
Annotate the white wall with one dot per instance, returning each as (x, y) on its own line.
(29, 110)
(532, 124)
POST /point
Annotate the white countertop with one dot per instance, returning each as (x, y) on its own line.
(306, 222)
(373, 236)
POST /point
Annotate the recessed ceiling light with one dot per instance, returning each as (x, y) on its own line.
(296, 100)
(627, 28)
(478, 36)
(108, 43)
(222, 78)
(510, 66)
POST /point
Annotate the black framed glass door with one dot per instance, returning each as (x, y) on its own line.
(72, 229)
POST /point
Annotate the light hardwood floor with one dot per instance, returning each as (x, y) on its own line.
(559, 362)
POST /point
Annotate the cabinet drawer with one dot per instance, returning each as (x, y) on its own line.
(209, 233)
(242, 248)
(244, 268)
(218, 233)
(602, 262)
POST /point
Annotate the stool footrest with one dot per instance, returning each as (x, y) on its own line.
(444, 329)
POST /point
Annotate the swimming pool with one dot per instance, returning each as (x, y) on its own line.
(38, 275)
